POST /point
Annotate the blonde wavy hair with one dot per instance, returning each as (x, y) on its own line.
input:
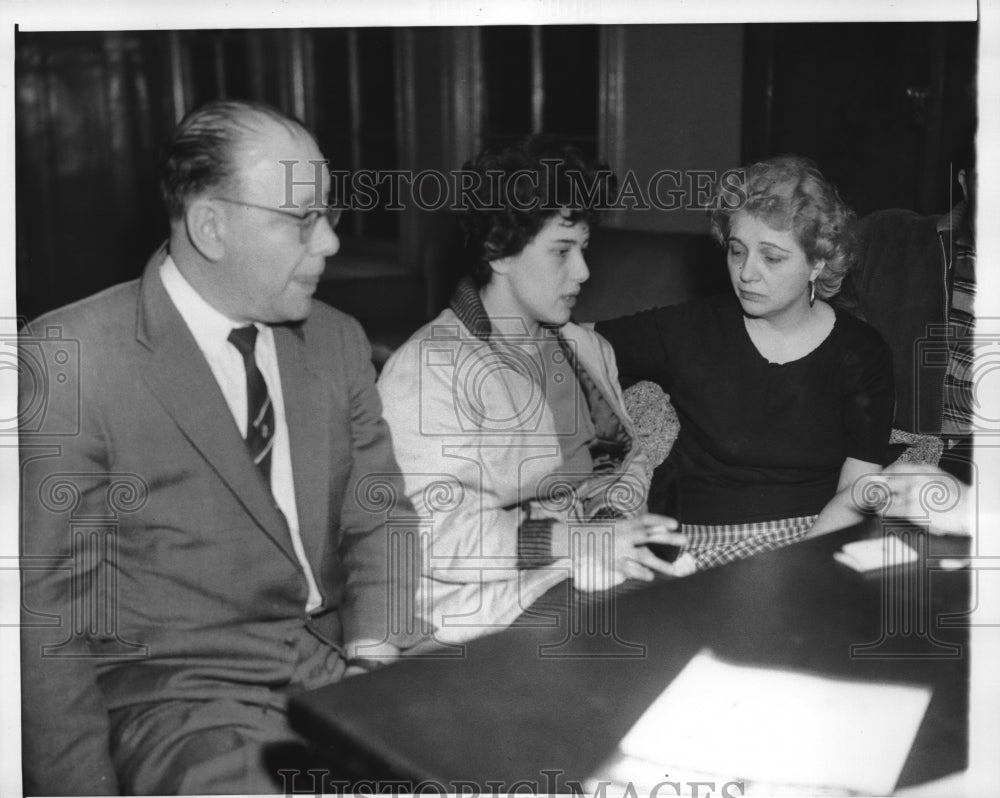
(789, 193)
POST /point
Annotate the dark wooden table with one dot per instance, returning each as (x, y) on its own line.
(548, 701)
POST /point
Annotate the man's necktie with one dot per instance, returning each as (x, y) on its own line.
(260, 414)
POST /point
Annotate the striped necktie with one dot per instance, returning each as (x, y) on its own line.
(260, 413)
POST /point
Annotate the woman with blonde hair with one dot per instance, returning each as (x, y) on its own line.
(783, 401)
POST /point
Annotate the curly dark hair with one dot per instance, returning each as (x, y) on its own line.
(789, 192)
(200, 155)
(515, 189)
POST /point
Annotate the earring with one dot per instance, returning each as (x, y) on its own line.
(812, 293)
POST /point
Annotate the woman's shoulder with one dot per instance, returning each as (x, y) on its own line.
(446, 332)
(718, 312)
(855, 332)
(690, 311)
(646, 342)
(859, 345)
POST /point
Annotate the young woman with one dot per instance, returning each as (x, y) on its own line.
(783, 401)
(507, 420)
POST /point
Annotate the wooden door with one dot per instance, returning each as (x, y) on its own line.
(881, 108)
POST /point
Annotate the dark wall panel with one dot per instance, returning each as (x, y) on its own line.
(88, 126)
(880, 107)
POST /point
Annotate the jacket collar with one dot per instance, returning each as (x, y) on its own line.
(612, 442)
(181, 380)
(467, 305)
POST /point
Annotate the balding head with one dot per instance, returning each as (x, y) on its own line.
(204, 152)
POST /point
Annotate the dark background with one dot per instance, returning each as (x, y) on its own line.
(880, 107)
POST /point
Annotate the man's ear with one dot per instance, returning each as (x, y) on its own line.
(206, 229)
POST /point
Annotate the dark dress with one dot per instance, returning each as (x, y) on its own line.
(759, 441)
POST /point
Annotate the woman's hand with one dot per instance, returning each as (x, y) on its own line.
(843, 510)
(924, 494)
(610, 553)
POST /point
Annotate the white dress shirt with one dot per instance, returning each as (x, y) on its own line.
(211, 329)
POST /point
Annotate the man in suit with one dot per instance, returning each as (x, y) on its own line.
(197, 544)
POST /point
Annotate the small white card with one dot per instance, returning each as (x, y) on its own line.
(870, 555)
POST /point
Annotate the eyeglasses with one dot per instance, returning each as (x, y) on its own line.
(306, 222)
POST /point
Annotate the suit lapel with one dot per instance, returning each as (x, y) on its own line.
(307, 411)
(183, 383)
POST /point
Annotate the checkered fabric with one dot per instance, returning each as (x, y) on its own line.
(718, 544)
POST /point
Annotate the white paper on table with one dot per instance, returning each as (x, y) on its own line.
(780, 727)
(869, 555)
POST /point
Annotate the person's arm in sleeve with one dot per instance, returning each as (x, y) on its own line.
(65, 727)
(639, 342)
(867, 415)
(378, 610)
(450, 469)
(925, 495)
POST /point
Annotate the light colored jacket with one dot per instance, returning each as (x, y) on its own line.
(479, 453)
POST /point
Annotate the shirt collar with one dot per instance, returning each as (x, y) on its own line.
(209, 326)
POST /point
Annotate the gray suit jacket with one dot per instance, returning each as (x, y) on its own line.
(155, 562)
